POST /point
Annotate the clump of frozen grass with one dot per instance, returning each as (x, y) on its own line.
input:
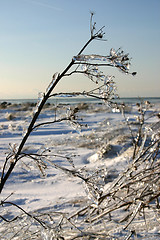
(9, 116)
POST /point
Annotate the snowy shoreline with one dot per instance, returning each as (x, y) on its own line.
(105, 143)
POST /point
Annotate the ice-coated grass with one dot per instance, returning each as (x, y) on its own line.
(55, 197)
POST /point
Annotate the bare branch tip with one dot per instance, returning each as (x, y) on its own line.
(134, 73)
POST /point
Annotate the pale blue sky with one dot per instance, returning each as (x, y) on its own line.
(39, 38)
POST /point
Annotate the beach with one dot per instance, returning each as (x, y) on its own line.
(98, 141)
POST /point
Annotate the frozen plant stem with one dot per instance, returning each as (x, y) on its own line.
(6, 175)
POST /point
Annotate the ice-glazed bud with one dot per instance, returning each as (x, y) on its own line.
(112, 52)
(134, 73)
(127, 66)
(12, 159)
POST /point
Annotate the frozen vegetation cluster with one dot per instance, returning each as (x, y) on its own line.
(119, 204)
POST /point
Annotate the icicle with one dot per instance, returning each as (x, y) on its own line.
(89, 57)
(54, 78)
(84, 67)
(127, 66)
(40, 99)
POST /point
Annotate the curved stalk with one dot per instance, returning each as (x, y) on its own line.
(6, 175)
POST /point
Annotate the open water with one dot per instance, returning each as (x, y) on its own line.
(75, 100)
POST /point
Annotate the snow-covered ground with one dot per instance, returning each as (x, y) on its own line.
(103, 143)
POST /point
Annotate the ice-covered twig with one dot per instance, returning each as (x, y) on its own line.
(20, 208)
